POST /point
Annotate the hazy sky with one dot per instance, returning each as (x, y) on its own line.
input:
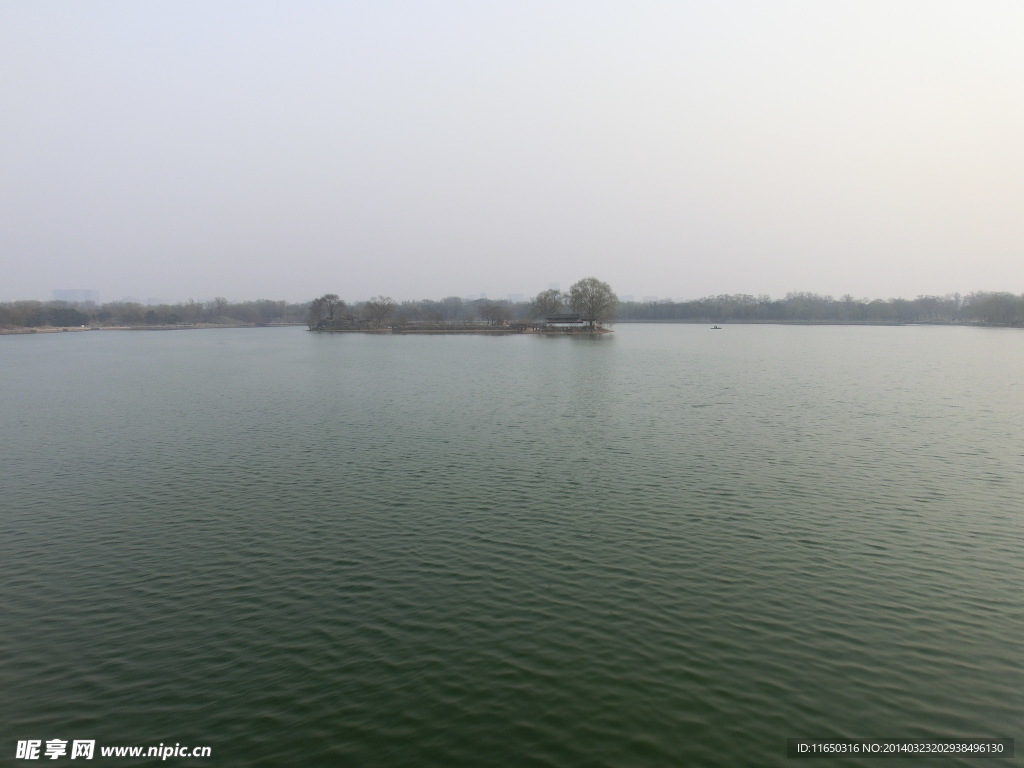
(421, 149)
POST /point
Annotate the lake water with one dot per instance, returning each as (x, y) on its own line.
(665, 546)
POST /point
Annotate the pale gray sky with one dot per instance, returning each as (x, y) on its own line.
(419, 149)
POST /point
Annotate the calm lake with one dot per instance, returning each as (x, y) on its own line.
(667, 546)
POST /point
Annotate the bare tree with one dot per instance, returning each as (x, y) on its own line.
(547, 303)
(495, 313)
(323, 310)
(379, 309)
(452, 308)
(317, 314)
(216, 309)
(332, 304)
(192, 311)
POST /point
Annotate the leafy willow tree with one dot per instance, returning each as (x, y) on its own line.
(594, 300)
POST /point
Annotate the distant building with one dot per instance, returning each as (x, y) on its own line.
(76, 296)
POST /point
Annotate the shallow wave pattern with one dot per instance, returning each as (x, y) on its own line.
(652, 548)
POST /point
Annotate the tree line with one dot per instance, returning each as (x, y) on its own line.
(330, 311)
(218, 311)
(980, 307)
(995, 308)
(590, 299)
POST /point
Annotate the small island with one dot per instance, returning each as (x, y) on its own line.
(587, 308)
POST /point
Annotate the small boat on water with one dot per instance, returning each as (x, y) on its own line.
(716, 327)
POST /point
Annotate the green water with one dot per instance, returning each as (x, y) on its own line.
(665, 546)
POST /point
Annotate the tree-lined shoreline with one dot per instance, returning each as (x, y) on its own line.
(586, 307)
(977, 309)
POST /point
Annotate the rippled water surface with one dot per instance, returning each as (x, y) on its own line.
(665, 546)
